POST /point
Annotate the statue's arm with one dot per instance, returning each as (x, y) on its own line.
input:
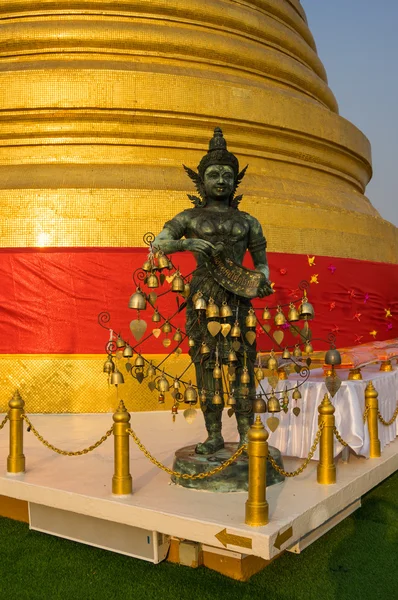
(257, 248)
(169, 239)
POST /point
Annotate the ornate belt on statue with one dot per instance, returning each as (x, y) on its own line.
(235, 278)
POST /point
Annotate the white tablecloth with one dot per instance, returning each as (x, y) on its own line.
(295, 435)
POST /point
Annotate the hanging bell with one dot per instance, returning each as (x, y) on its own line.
(280, 318)
(296, 394)
(137, 300)
(212, 311)
(191, 342)
(156, 316)
(161, 399)
(285, 401)
(259, 406)
(231, 376)
(120, 343)
(109, 365)
(308, 348)
(306, 309)
(217, 373)
(245, 377)
(177, 337)
(231, 400)
(203, 397)
(204, 348)
(190, 395)
(147, 266)
(232, 356)
(177, 285)
(139, 361)
(293, 314)
(217, 400)
(297, 351)
(174, 409)
(128, 351)
(332, 357)
(163, 261)
(259, 374)
(152, 281)
(166, 327)
(225, 310)
(235, 331)
(286, 354)
(266, 314)
(251, 320)
(117, 378)
(273, 404)
(163, 384)
(200, 302)
(151, 370)
(272, 363)
(187, 290)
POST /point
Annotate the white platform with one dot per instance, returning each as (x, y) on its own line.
(82, 485)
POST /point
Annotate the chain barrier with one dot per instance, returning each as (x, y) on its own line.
(307, 460)
(4, 421)
(339, 438)
(66, 452)
(365, 414)
(391, 421)
(158, 464)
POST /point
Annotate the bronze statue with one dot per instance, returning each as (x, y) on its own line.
(218, 234)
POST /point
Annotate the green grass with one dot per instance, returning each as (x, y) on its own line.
(358, 559)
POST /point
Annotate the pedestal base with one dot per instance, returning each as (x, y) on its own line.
(233, 479)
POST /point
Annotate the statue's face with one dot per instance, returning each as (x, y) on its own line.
(219, 182)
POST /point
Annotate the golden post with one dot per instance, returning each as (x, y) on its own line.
(326, 473)
(256, 504)
(16, 458)
(372, 407)
(122, 483)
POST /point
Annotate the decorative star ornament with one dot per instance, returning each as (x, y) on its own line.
(357, 316)
(373, 333)
(294, 293)
(283, 271)
(332, 269)
(366, 298)
(311, 260)
(314, 278)
(351, 294)
(389, 326)
(358, 339)
(332, 306)
(388, 313)
(335, 329)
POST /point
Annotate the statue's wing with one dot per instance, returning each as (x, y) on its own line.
(197, 202)
(197, 181)
(236, 200)
(241, 176)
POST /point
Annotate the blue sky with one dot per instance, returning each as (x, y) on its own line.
(357, 41)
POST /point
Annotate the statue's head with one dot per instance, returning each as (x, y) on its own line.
(218, 173)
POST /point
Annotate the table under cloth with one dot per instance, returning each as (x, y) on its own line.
(295, 435)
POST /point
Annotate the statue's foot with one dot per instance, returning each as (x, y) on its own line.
(211, 445)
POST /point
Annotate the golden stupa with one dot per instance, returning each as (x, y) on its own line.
(103, 100)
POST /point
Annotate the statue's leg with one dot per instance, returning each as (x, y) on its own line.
(244, 403)
(212, 414)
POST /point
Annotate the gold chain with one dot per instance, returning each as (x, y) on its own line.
(339, 438)
(153, 460)
(365, 414)
(65, 452)
(305, 463)
(4, 421)
(391, 421)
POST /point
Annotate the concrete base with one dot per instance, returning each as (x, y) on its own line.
(299, 508)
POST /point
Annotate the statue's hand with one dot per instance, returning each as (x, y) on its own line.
(265, 289)
(199, 246)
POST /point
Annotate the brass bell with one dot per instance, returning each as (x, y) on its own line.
(212, 311)
(109, 365)
(251, 320)
(203, 398)
(235, 331)
(176, 384)
(217, 400)
(273, 404)
(217, 373)
(200, 303)
(332, 357)
(190, 395)
(156, 316)
(272, 363)
(139, 361)
(128, 351)
(267, 314)
(166, 327)
(232, 356)
(245, 377)
(163, 261)
(259, 406)
(231, 376)
(306, 309)
(174, 409)
(177, 285)
(286, 354)
(191, 342)
(161, 399)
(151, 370)
(163, 385)
(296, 394)
(231, 400)
(152, 281)
(120, 343)
(187, 290)
(297, 351)
(280, 318)
(147, 266)
(259, 374)
(308, 348)
(204, 348)
(137, 300)
(293, 314)
(117, 378)
(177, 337)
(225, 310)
